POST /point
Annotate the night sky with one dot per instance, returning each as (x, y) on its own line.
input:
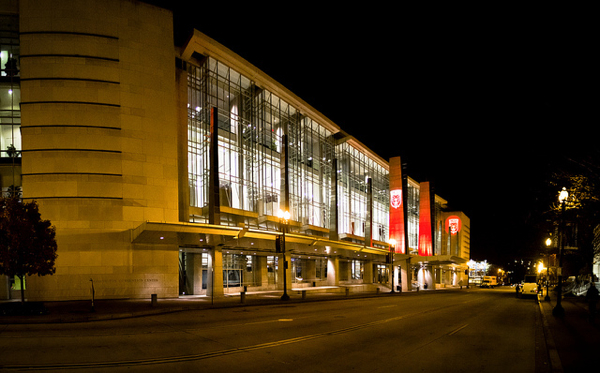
(480, 102)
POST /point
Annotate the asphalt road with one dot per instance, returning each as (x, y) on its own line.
(476, 330)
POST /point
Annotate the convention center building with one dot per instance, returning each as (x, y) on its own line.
(182, 170)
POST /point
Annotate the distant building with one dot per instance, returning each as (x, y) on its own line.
(163, 167)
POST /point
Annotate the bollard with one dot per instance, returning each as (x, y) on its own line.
(243, 296)
(93, 309)
(377, 291)
(153, 299)
(303, 294)
(347, 291)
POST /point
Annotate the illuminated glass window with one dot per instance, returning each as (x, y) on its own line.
(310, 162)
(354, 168)
(412, 212)
(357, 270)
(234, 266)
(252, 122)
(10, 120)
(10, 98)
(216, 85)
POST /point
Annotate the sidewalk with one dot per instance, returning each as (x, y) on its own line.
(572, 341)
(81, 311)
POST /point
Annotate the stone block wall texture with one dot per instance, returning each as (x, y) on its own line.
(99, 136)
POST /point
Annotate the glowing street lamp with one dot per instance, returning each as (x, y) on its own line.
(540, 267)
(562, 197)
(548, 244)
(558, 309)
(284, 217)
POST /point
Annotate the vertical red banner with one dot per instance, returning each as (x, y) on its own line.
(425, 232)
(396, 205)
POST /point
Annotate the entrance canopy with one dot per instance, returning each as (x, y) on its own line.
(439, 260)
(199, 234)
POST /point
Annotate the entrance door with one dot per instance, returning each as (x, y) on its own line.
(381, 274)
(192, 273)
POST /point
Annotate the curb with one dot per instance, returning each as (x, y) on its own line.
(555, 362)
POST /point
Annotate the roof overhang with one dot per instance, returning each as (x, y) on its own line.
(439, 260)
(182, 234)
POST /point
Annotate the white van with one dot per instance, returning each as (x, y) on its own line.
(529, 286)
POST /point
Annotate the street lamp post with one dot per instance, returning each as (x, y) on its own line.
(548, 243)
(391, 254)
(284, 217)
(558, 309)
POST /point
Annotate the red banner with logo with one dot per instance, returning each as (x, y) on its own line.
(425, 236)
(396, 205)
(453, 224)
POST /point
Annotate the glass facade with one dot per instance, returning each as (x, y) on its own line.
(10, 97)
(438, 227)
(310, 163)
(412, 214)
(215, 85)
(252, 123)
(354, 170)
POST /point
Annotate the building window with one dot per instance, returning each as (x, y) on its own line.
(234, 266)
(10, 98)
(354, 168)
(251, 124)
(357, 270)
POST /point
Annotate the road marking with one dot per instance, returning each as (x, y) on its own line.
(286, 320)
(458, 330)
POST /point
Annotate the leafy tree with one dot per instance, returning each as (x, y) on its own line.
(27, 243)
(580, 175)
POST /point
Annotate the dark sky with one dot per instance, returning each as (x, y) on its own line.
(477, 101)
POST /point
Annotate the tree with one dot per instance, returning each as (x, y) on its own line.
(581, 177)
(27, 243)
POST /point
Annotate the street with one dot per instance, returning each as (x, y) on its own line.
(469, 330)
